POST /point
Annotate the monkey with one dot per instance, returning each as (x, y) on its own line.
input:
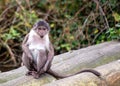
(38, 52)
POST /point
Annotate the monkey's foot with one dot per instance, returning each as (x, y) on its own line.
(35, 75)
(28, 73)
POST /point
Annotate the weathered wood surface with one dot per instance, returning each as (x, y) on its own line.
(67, 63)
(110, 77)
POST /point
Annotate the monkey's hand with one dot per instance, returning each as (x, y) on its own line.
(46, 67)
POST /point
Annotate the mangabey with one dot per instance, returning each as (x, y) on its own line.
(38, 52)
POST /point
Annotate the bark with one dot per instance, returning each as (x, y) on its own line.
(67, 63)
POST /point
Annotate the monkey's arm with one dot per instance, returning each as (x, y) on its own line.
(50, 58)
(25, 47)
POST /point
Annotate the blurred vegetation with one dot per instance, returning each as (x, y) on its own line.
(74, 24)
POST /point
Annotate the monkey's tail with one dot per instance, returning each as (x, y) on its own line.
(56, 75)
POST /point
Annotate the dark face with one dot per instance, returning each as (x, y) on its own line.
(42, 31)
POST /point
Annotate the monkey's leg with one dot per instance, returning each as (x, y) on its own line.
(27, 62)
(41, 61)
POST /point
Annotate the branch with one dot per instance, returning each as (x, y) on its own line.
(11, 53)
(19, 3)
(102, 12)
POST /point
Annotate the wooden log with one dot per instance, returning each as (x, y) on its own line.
(74, 53)
(110, 77)
(89, 57)
(67, 63)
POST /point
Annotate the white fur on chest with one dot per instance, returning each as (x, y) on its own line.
(35, 42)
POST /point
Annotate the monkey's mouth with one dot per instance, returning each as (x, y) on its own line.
(41, 36)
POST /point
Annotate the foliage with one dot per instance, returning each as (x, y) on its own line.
(74, 23)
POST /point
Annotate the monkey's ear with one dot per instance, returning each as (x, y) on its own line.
(48, 26)
(35, 26)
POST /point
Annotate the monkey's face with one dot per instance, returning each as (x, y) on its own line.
(42, 31)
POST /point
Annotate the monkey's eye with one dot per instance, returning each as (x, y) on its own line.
(44, 28)
(39, 28)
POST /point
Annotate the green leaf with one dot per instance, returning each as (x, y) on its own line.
(116, 16)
